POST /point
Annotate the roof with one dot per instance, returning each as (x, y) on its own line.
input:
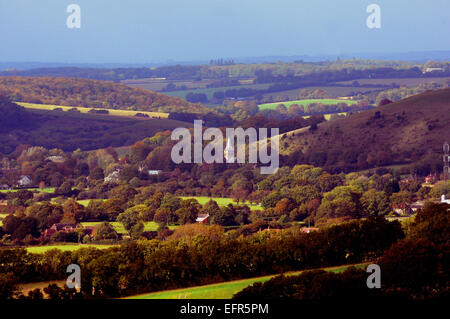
(202, 217)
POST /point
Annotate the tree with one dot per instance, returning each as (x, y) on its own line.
(129, 218)
(375, 203)
(225, 217)
(106, 231)
(8, 286)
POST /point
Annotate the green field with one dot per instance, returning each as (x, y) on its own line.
(44, 190)
(118, 227)
(287, 104)
(223, 290)
(68, 247)
(86, 110)
(222, 201)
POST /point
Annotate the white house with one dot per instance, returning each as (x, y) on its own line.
(24, 181)
(443, 200)
(154, 172)
(113, 177)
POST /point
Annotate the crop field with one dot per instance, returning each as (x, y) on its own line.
(222, 201)
(210, 91)
(86, 110)
(410, 82)
(333, 92)
(118, 227)
(68, 247)
(271, 106)
(224, 290)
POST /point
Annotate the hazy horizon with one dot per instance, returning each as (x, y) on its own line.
(137, 32)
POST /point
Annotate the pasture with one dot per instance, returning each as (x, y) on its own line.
(86, 110)
(224, 290)
(118, 227)
(305, 102)
(49, 190)
(66, 247)
(222, 201)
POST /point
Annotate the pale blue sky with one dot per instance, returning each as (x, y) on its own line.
(136, 31)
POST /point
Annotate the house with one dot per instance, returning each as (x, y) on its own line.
(416, 206)
(58, 228)
(202, 218)
(444, 200)
(4, 186)
(112, 177)
(431, 179)
(24, 181)
(56, 159)
(307, 230)
(402, 209)
(428, 70)
(154, 172)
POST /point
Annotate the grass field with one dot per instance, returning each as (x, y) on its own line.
(68, 247)
(149, 226)
(327, 116)
(1, 218)
(222, 201)
(223, 290)
(271, 106)
(44, 190)
(86, 110)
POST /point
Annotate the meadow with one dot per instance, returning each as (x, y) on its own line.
(86, 110)
(118, 227)
(222, 201)
(224, 290)
(63, 247)
(305, 102)
(49, 190)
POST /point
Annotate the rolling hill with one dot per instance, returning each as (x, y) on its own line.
(401, 132)
(72, 130)
(91, 94)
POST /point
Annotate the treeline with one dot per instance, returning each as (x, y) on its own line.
(91, 94)
(147, 266)
(413, 268)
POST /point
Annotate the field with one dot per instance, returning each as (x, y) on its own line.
(223, 290)
(68, 247)
(1, 218)
(49, 190)
(118, 227)
(72, 130)
(222, 201)
(86, 110)
(410, 82)
(271, 106)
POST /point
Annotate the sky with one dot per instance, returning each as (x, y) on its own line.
(141, 31)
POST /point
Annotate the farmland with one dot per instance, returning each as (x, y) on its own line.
(223, 290)
(271, 106)
(112, 112)
(49, 190)
(68, 247)
(223, 201)
(118, 227)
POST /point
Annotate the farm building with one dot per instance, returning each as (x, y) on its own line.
(308, 230)
(112, 177)
(24, 181)
(202, 218)
(58, 228)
